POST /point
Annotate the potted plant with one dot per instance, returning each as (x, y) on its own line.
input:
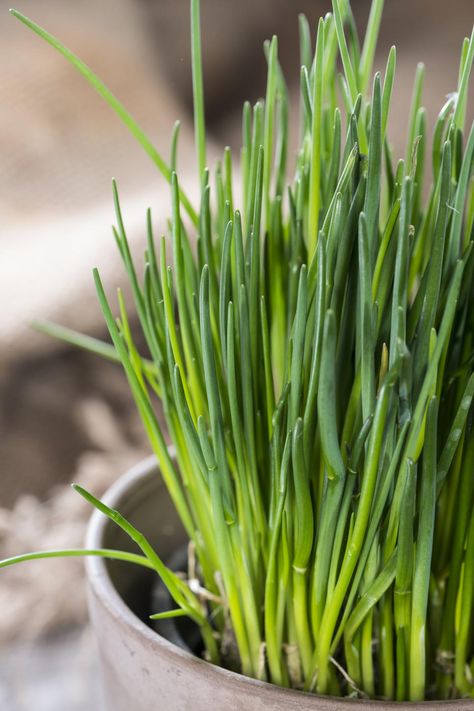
(313, 353)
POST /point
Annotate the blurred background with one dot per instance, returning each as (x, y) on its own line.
(65, 415)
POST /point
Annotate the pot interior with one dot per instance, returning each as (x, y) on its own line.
(148, 506)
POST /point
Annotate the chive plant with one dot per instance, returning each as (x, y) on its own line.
(313, 352)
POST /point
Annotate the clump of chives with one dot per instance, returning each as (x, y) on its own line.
(313, 353)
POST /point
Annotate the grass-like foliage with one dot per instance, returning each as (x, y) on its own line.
(312, 345)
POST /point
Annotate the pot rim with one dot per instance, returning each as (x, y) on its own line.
(101, 584)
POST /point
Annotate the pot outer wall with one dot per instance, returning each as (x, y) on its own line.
(142, 671)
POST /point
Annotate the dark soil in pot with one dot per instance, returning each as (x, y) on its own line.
(180, 631)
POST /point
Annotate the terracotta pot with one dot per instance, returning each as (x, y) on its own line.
(143, 671)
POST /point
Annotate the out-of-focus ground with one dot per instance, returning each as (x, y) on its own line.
(65, 415)
(56, 673)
